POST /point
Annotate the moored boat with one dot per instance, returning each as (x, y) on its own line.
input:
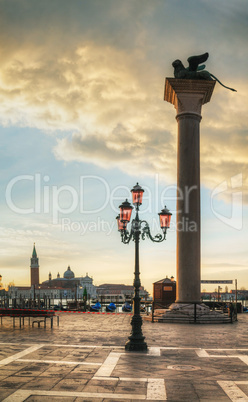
(111, 308)
(96, 307)
(126, 307)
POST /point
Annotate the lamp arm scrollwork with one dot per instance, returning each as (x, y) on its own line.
(126, 236)
(136, 225)
(145, 232)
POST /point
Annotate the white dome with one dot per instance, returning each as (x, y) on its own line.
(69, 274)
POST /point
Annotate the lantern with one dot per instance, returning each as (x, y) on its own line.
(137, 193)
(165, 218)
(125, 211)
(121, 225)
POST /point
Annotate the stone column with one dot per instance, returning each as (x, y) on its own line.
(188, 96)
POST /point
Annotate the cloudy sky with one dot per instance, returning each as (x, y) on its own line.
(82, 119)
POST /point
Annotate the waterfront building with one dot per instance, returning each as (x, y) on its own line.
(34, 269)
(111, 291)
(68, 286)
(71, 285)
(164, 292)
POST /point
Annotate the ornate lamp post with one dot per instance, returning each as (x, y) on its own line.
(139, 228)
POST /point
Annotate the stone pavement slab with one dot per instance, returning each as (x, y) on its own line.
(83, 359)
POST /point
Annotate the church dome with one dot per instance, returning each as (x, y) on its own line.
(69, 274)
(87, 279)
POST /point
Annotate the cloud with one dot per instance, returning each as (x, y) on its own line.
(93, 75)
(146, 151)
(224, 139)
(89, 86)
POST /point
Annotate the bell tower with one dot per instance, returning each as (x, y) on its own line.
(34, 268)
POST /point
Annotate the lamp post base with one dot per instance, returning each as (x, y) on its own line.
(136, 344)
(136, 339)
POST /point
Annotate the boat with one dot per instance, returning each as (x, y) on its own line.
(96, 307)
(126, 307)
(111, 307)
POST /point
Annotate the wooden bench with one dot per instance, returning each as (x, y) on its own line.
(38, 322)
(40, 315)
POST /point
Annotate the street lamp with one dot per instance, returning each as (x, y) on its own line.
(139, 228)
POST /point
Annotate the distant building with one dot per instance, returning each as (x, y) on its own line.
(164, 292)
(27, 292)
(34, 269)
(33, 292)
(3, 293)
(66, 287)
(242, 294)
(111, 291)
(70, 285)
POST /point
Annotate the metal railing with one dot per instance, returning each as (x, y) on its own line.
(229, 312)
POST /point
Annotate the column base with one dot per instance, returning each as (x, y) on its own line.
(192, 313)
(188, 307)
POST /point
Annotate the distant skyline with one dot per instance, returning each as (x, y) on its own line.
(82, 119)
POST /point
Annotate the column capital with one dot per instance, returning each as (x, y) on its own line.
(188, 96)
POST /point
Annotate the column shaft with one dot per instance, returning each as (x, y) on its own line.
(188, 208)
(188, 96)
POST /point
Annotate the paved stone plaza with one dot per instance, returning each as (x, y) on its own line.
(83, 359)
